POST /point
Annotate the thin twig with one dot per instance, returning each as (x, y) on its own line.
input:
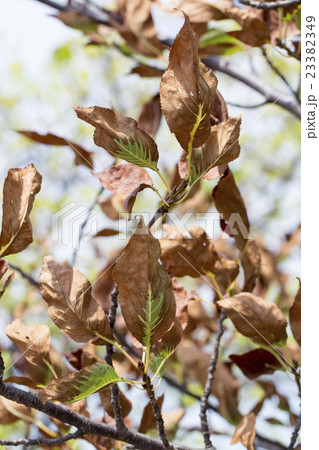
(75, 252)
(43, 441)
(25, 275)
(256, 105)
(115, 393)
(156, 408)
(277, 72)
(295, 433)
(271, 94)
(209, 383)
(270, 5)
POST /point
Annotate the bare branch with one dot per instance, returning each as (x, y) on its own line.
(115, 393)
(25, 275)
(43, 441)
(156, 408)
(277, 72)
(295, 433)
(271, 95)
(209, 383)
(270, 5)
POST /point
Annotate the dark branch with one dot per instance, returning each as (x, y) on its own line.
(43, 441)
(25, 275)
(156, 408)
(256, 105)
(277, 72)
(115, 393)
(271, 95)
(270, 5)
(295, 433)
(209, 383)
(87, 426)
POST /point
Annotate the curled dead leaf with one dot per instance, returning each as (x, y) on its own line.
(19, 190)
(32, 341)
(71, 305)
(144, 286)
(246, 432)
(260, 320)
(187, 91)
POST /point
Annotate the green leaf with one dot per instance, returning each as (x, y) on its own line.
(80, 384)
(135, 153)
(152, 318)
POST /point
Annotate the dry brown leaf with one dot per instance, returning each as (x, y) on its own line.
(221, 147)
(187, 91)
(19, 190)
(172, 418)
(103, 286)
(251, 262)
(148, 421)
(182, 298)
(147, 71)
(260, 320)
(71, 305)
(295, 317)
(33, 342)
(120, 136)
(225, 271)
(231, 206)
(246, 431)
(131, 199)
(138, 29)
(8, 408)
(123, 178)
(138, 273)
(225, 387)
(125, 403)
(255, 32)
(257, 362)
(3, 269)
(106, 232)
(113, 206)
(199, 11)
(24, 381)
(193, 256)
(150, 117)
(81, 155)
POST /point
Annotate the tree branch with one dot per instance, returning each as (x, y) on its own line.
(43, 441)
(209, 383)
(271, 95)
(270, 5)
(87, 426)
(115, 393)
(156, 408)
(277, 72)
(295, 433)
(25, 275)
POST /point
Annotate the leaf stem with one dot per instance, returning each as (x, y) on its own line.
(163, 179)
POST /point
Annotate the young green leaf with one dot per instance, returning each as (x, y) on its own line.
(19, 190)
(80, 384)
(120, 136)
(187, 91)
